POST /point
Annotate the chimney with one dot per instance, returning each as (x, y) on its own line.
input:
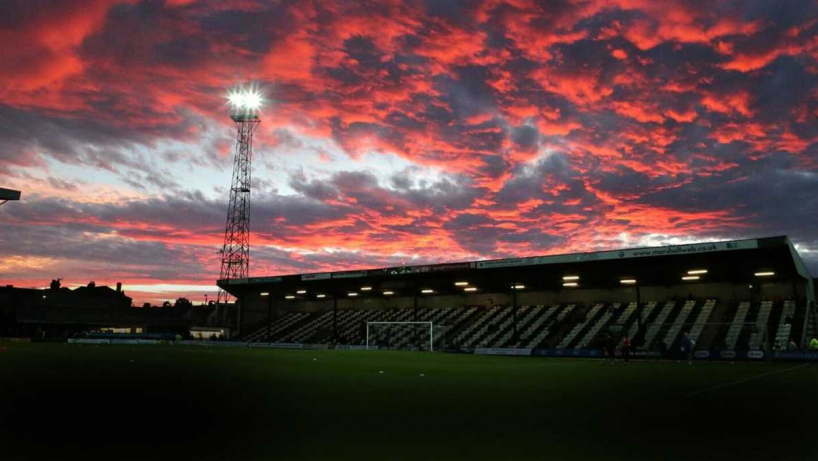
(92, 284)
(118, 287)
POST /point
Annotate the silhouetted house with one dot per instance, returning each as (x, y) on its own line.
(28, 311)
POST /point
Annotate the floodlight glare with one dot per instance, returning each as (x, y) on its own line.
(388, 293)
(320, 296)
(570, 284)
(242, 99)
(470, 289)
(290, 297)
(518, 287)
(427, 291)
(570, 277)
(697, 272)
(628, 281)
(690, 277)
(300, 292)
(265, 294)
(765, 274)
(460, 284)
(353, 294)
(366, 288)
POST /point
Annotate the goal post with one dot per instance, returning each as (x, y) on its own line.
(397, 335)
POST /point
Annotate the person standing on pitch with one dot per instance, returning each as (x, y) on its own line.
(611, 349)
(626, 347)
(687, 347)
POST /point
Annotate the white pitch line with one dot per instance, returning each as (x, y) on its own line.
(752, 378)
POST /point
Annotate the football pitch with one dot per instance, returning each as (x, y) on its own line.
(67, 401)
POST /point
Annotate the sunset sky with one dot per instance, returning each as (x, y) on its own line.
(398, 132)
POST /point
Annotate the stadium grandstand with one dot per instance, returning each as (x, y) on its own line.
(734, 299)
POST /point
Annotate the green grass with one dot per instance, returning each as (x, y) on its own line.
(173, 402)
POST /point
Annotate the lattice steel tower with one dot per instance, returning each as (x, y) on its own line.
(235, 252)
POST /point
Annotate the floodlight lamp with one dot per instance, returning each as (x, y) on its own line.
(265, 294)
(320, 296)
(427, 291)
(289, 297)
(518, 287)
(353, 294)
(388, 293)
(570, 277)
(301, 292)
(690, 277)
(628, 281)
(697, 271)
(764, 274)
(570, 284)
(366, 288)
(245, 100)
(461, 284)
(470, 289)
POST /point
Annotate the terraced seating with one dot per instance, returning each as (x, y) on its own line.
(465, 338)
(646, 311)
(651, 333)
(678, 323)
(601, 322)
(626, 314)
(736, 325)
(281, 324)
(484, 337)
(531, 322)
(701, 319)
(782, 335)
(757, 336)
(568, 338)
(307, 330)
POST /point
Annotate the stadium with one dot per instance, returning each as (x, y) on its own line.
(404, 363)
(745, 298)
(369, 134)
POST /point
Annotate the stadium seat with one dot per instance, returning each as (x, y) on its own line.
(736, 325)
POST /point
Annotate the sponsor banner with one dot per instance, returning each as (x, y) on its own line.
(646, 354)
(728, 354)
(755, 355)
(356, 347)
(502, 351)
(506, 263)
(265, 279)
(210, 343)
(148, 341)
(316, 346)
(123, 341)
(621, 254)
(19, 340)
(450, 267)
(795, 355)
(88, 341)
(348, 275)
(701, 354)
(582, 353)
(323, 276)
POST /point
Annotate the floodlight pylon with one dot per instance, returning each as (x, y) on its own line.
(235, 252)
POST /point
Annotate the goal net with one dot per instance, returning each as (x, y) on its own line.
(422, 336)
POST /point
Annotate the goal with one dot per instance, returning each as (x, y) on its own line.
(403, 335)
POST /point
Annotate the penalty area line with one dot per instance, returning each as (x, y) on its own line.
(746, 380)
